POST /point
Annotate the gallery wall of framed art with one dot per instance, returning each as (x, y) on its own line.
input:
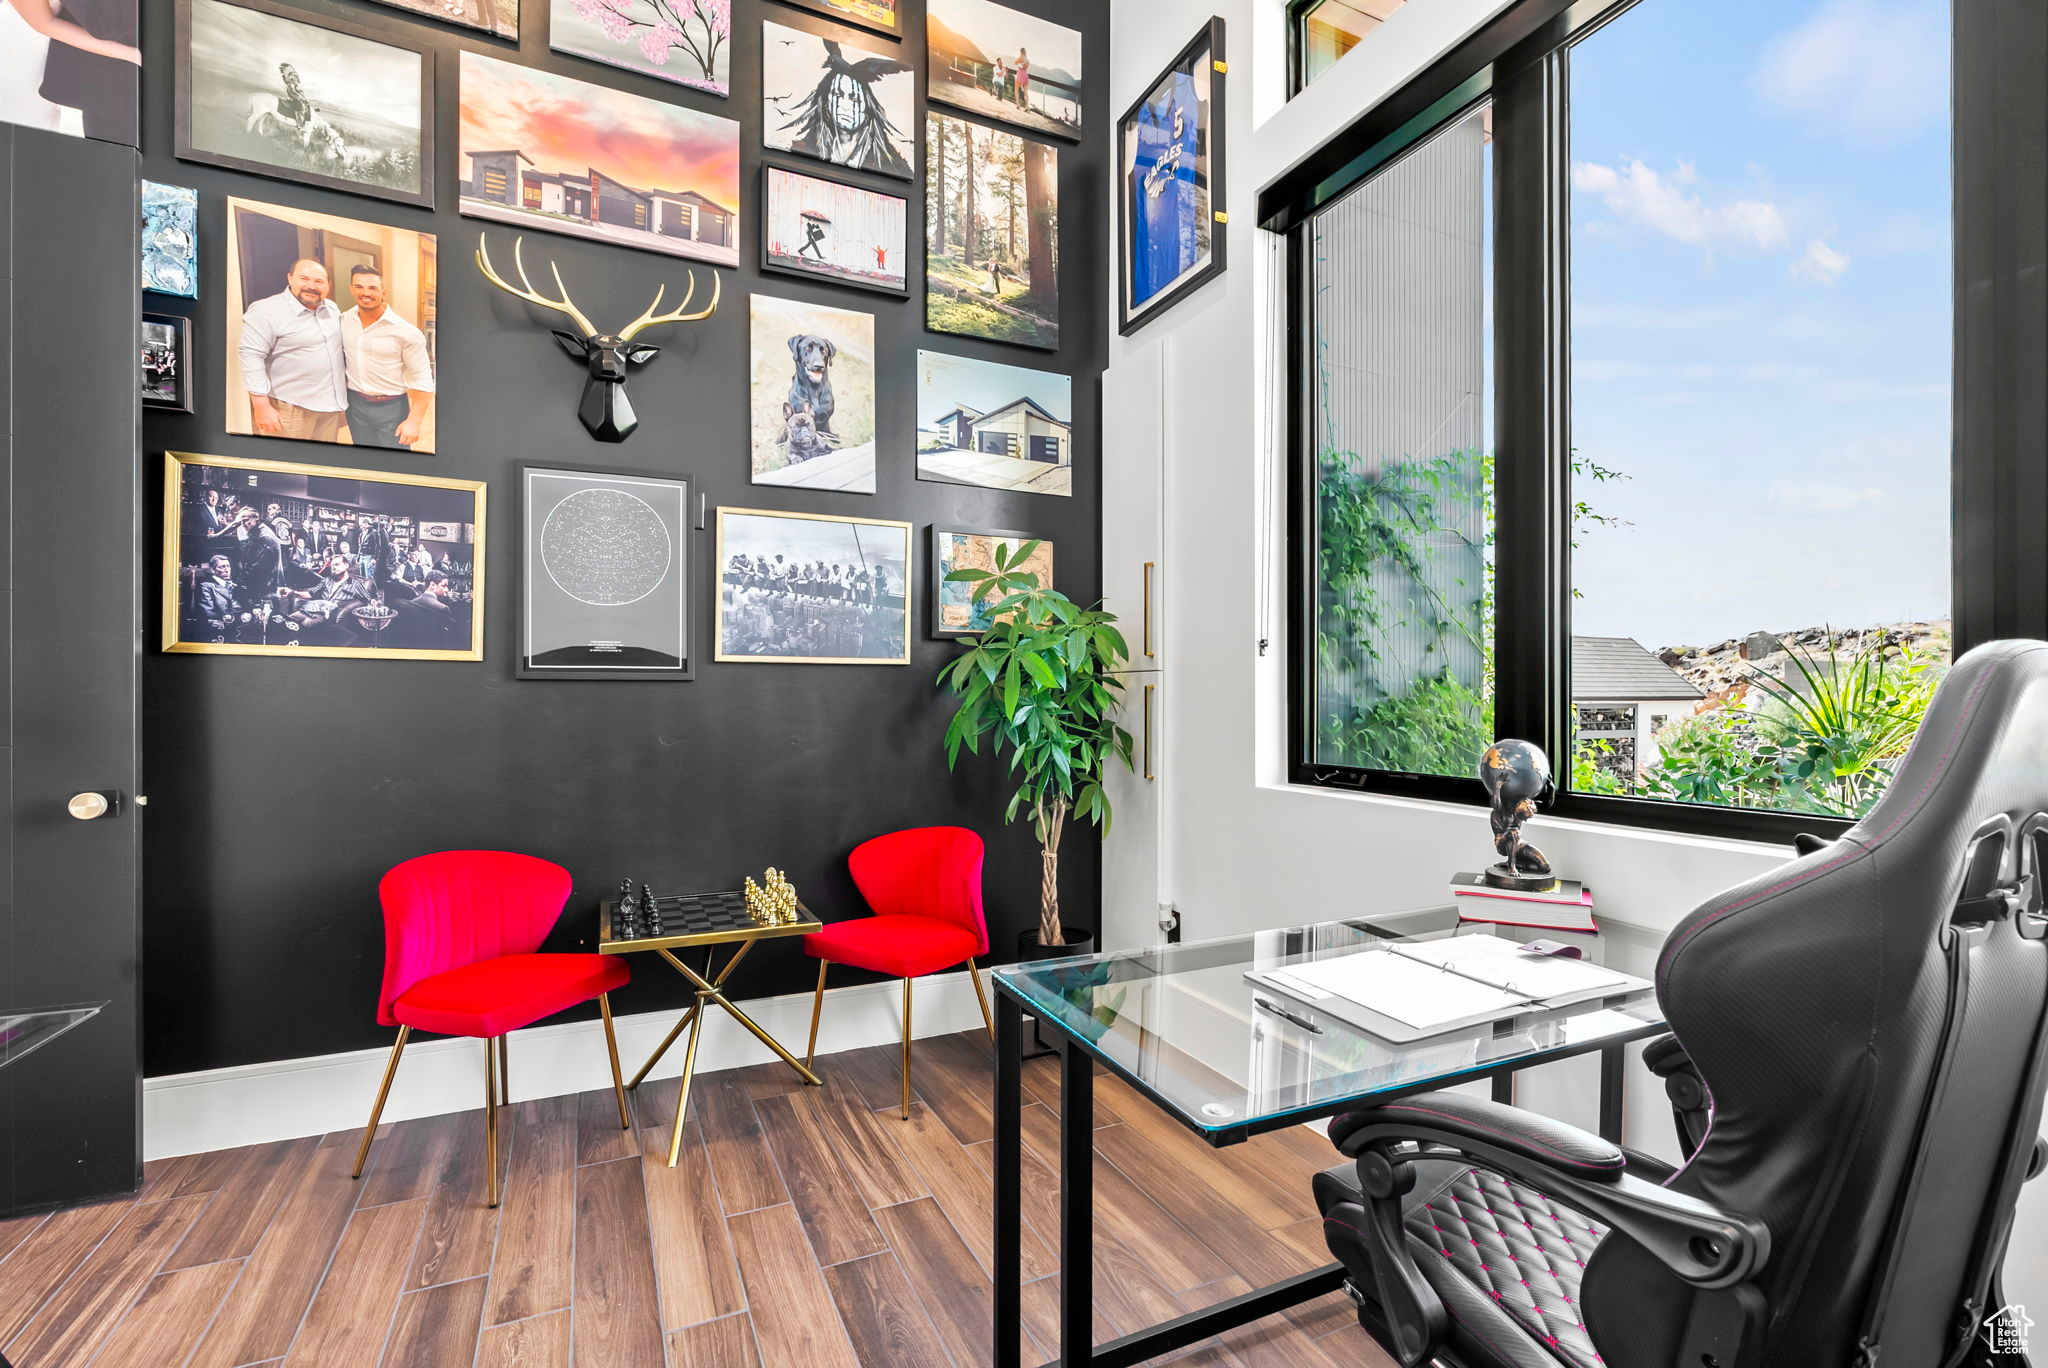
(506, 749)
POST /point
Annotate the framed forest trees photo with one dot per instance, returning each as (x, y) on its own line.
(604, 574)
(812, 588)
(269, 558)
(829, 230)
(850, 106)
(276, 91)
(1170, 193)
(991, 258)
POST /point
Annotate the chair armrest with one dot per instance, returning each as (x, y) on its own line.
(1690, 1113)
(1702, 1244)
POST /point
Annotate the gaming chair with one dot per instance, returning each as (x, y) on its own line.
(1857, 1067)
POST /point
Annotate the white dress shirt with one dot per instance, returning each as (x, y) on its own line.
(294, 353)
(387, 357)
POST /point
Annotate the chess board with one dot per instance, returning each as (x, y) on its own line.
(679, 919)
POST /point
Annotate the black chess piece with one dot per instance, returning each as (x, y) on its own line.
(651, 908)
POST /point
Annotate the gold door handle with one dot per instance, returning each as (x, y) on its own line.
(93, 803)
(1146, 640)
(1148, 731)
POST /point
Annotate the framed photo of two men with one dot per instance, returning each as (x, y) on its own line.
(604, 574)
(331, 328)
(270, 558)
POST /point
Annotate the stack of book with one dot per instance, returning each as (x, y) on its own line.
(1566, 906)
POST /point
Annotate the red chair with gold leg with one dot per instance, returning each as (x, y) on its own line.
(924, 886)
(461, 932)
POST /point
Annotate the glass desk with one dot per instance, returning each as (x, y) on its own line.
(1229, 1059)
(23, 1032)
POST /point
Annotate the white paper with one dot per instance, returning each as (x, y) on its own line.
(1547, 978)
(1412, 992)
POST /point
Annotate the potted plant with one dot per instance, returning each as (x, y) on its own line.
(1040, 682)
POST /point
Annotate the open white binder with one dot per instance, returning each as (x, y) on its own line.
(1408, 991)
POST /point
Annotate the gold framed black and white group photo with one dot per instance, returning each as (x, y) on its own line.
(812, 588)
(274, 558)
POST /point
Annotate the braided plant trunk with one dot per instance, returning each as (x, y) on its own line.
(1050, 825)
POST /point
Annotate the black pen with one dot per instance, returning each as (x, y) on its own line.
(1277, 1010)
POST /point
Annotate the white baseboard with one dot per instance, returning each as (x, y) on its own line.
(252, 1104)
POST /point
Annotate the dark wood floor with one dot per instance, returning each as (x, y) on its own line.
(804, 1228)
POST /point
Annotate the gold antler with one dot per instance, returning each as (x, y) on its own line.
(650, 319)
(529, 294)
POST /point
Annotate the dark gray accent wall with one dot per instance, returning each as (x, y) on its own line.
(281, 789)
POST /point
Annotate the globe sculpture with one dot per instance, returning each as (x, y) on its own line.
(1516, 776)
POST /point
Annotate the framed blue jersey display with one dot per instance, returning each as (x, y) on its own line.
(1170, 188)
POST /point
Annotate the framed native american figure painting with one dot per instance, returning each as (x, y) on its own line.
(851, 106)
(1170, 194)
(604, 574)
(270, 558)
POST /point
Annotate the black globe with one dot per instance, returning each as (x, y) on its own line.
(1514, 772)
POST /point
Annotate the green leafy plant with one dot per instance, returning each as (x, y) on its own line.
(1040, 683)
(1837, 735)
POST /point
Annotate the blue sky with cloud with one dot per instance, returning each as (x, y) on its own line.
(1761, 302)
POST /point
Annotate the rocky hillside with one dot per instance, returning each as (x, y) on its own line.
(1722, 669)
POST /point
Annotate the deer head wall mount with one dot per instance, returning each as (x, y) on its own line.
(605, 410)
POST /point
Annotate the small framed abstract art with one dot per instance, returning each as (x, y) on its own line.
(166, 361)
(604, 574)
(170, 240)
(1170, 195)
(955, 613)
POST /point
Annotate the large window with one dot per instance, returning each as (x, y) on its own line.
(1699, 543)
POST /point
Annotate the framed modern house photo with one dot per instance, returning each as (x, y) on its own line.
(812, 588)
(605, 575)
(268, 89)
(271, 558)
(1171, 237)
(954, 609)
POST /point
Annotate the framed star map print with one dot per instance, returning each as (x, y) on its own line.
(604, 590)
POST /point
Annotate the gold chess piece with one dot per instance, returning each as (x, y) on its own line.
(759, 910)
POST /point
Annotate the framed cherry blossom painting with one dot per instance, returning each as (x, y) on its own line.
(688, 42)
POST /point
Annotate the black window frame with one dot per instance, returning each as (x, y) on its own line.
(1999, 419)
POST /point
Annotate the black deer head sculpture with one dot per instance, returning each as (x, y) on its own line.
(606, 411)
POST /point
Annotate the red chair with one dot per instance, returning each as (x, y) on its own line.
(460, 933)
(924, 886)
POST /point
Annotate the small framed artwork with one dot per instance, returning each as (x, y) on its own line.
(811, 420)
(812, 588)
(852, 106)
(166, 358)
(273, 90)
(829, 230)
(883, 16)
(1170, 193)
(954, 610)
(605, 579)
(688, 42)
(500, 17)
(994, 426)
(170, 240)
(1001, 63)
(1001, 285)
(251, 568)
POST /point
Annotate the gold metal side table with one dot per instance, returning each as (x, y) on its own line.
(691, 922)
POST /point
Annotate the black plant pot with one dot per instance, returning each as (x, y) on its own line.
(1075, 942)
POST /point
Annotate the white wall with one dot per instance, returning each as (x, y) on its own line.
(1242, 848)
